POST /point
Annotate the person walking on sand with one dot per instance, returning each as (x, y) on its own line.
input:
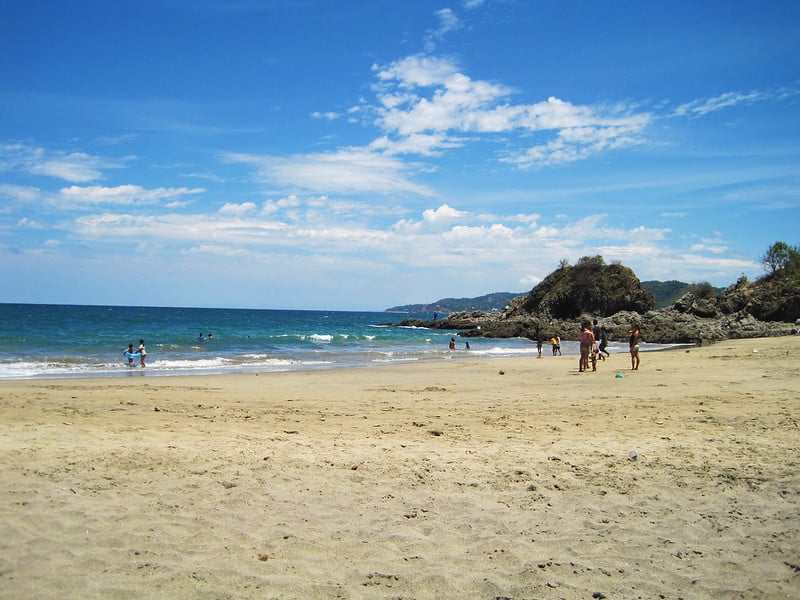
(143, 352)
(603, 343)
(539, 347)
(633, 342)
(586, 339)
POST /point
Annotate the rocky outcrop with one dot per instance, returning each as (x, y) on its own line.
(590, 285)
(664, 326)
(744, 310)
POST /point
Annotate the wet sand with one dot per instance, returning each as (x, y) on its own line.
(491, 479)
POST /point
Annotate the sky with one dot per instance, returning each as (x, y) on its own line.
(357, 155)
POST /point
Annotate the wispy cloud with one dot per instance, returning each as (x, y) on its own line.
(20, 193)
(329, 115)
(75, 167)
(704, 106)
(448, 21)
(347, 170)
(121, 195)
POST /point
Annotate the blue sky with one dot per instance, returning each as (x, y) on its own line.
(357, 155)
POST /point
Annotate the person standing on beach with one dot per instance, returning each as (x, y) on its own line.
(596, 330)
(633, 342)
(539, 346)
(587, 339)
(142, 351)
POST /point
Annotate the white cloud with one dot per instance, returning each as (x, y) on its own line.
(330, 115)
(122, 194)
(425, 96)
(232, 208)
(530, 281)
(76, 167)
(416, 71)
(442, 214)
(347, 170)
(417, 143)
(20, 193)
(274, 206)
(448, 21)
(177, 229)
(705, 106)
(440, 240)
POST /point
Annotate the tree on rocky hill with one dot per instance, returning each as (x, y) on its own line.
(781, 257)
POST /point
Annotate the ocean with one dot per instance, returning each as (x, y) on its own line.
(43, 341)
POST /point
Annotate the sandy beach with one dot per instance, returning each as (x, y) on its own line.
(484, 479)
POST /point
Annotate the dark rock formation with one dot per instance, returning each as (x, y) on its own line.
(589, 286)
(767, 307)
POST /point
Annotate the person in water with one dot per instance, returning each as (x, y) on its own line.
(130, 351)
(142, 351)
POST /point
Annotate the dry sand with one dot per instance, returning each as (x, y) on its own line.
(439, 480)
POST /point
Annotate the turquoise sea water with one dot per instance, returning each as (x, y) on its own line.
(39, 341)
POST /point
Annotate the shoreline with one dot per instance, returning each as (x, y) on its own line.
(458, 355)
(467, 478)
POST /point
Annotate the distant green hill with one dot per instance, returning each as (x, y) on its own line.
(666, 292)
(496, 301)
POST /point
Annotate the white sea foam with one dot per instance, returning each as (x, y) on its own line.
(320, 337)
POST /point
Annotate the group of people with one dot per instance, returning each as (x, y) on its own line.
(452, 345)
(130, 352)
(591, 339)
(593, 342)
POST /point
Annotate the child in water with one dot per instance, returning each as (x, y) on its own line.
(143, 351)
